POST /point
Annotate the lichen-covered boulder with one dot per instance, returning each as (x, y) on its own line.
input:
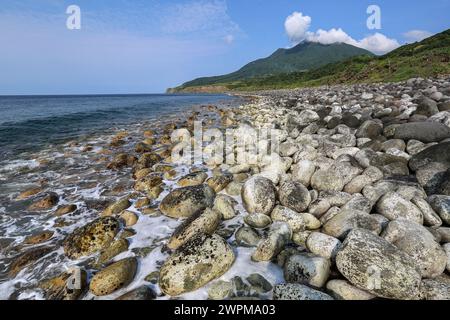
(375, 265)
(184, 202)
(91, 238)
(114, 277)
(197, 262)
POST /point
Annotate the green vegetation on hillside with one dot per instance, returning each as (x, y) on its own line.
(430, 57)
(305, 56)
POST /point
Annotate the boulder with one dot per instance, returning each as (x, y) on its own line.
(199, 261)
(91, 238)
(294, 195)
(373, 264)
(184, 202)
(419, 243)
(114, 277)
(259, 195)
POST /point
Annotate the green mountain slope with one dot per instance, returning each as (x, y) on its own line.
(304, 56)
(430, 57)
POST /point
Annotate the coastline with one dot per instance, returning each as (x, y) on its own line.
(347, 171)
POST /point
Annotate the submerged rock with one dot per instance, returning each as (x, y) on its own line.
(66, 286)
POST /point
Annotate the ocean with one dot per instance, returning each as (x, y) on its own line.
(29, 123)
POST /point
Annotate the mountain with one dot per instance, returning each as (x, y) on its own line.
(305, 56)
(428, 58)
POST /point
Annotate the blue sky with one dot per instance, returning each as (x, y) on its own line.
(145, 46)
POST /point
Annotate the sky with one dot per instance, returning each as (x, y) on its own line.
(147, 46)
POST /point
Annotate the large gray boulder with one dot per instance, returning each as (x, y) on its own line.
(419, 243)
(422, 131)
(375, 265)
(200, 260)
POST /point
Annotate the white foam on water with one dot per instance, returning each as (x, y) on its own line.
(15, 165)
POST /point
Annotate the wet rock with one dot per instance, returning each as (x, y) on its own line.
(116, 207)
(297, 221)
(219, 182)
(234, 188)
(220, 290)
(199, 261)
(184, 202)
(259, 283)
(152, 277)
(257, 220)
(373, 264)
(193, 179)
(347, 220)
(116, 248)
(295, 291)
(279, 235)
(129, 218)
(138, 294)
(27, 258)
(29, 193)
(204, 221)
(66, 286)
(47, 202)
(393, 206)
(114, 277)
(343, 290)
(295, 196)
(247, 237)
(225, 206)
(259, 195)
(38, 238)
(307, 269)
(63, 210)
(149, 184)
(91, 238)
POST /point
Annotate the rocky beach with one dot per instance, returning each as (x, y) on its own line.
(350, 200)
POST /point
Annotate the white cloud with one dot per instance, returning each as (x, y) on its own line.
(296, 26)
(378, 43)
(330, 36)
(416, 35)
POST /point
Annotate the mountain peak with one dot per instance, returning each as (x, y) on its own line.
(304, 56)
